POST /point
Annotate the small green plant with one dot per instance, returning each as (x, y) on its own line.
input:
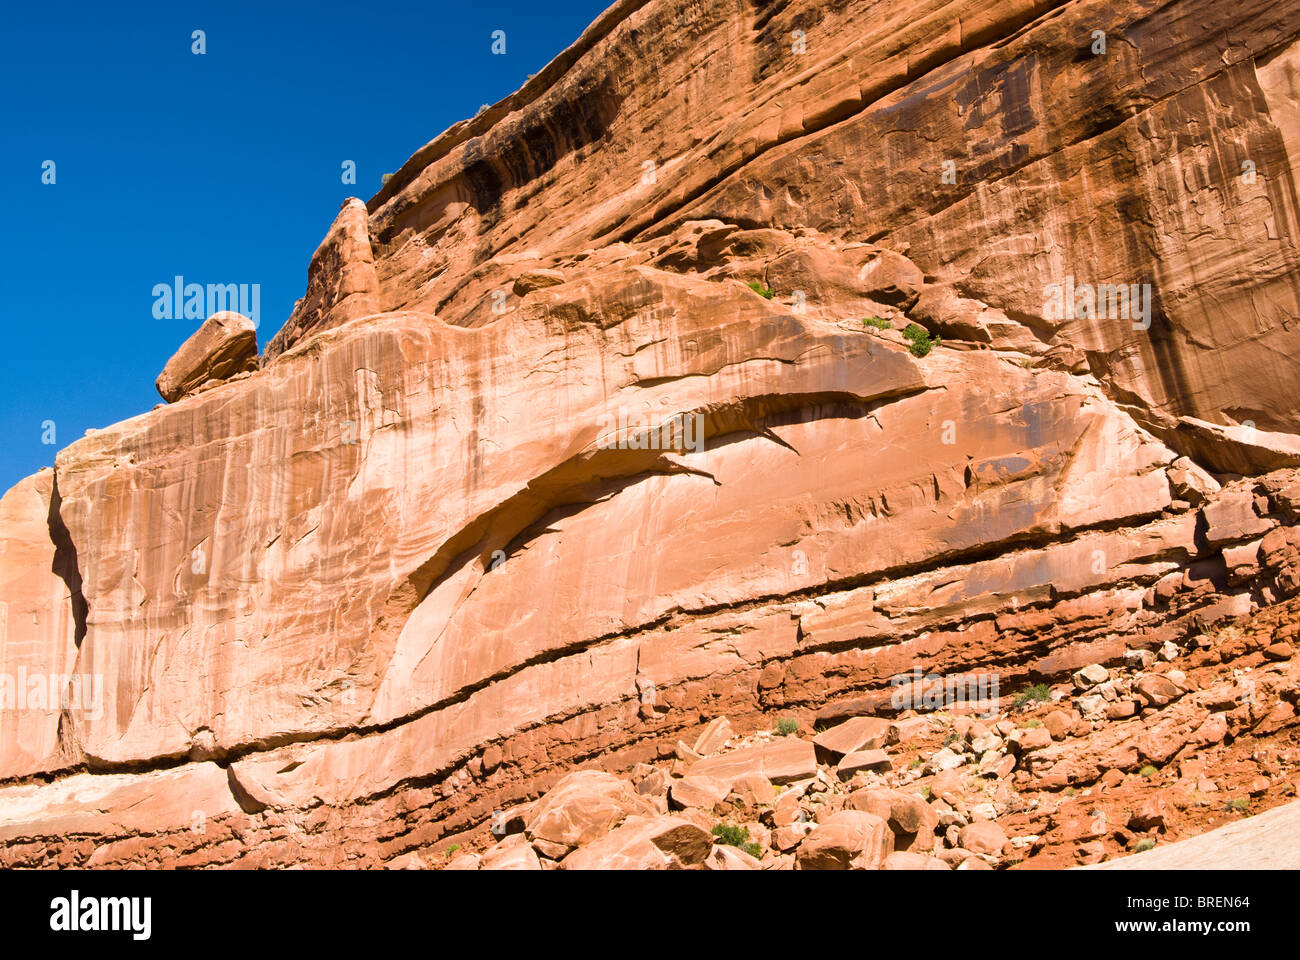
(922, 342)
(766, 292)
(1070, 791)
(1148, 771)
(917, 762)
(1039, 691)
(1033, 724)
(878, 323)
(1143, 845)
(786, 726)
(1238, 803)
(451, 851)
(737, 837)
(925, 792)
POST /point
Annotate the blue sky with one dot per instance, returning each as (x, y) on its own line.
(224, 167)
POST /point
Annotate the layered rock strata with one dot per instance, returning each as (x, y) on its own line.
(610, 414)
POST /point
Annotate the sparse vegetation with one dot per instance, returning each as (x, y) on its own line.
(925, 792)
(786, 726)
(1143, 845)
(1239, 803)
(1033, 724)
(922, 342)
(1038, 692)
(877, 323)
(451, 851)
(1070, 791)
(766, 292)
(737, 837)
(1148, 771)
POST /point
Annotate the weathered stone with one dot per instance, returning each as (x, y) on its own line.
(985, 837)
(848, 840)
(781, 761)
(583, 806)
(859, 733)
(713, 738)
(644, 843)
(225, 345)
(862, 760)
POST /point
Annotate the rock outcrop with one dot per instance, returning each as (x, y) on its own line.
(892, 351)
(223, 347)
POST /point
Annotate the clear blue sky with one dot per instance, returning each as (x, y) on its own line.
(221, 168)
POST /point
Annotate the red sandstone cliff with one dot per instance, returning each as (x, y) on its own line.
(423, 561)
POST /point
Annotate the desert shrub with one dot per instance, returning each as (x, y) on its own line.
(1148, 771)
(1143, 845)
(1040, 692)
(786, 726)
(922, 342)
(877, 323)
(737, 837)
(767, 293)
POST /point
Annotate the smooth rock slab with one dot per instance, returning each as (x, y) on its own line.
(1268, 841)
(225, 345)
(584, 806)
(848, 840)
(782, 761)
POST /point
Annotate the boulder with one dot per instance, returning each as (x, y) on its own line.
(848, 840)
(698, 791)
(644, 843)
(781, 761)
(905, 860)
(583, 806)
(512, 853)
(858, 733)
(713, 738)
(983, 836)
(225, 345)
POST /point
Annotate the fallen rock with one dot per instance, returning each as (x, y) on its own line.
(984, 836)
(1090, 676)
(905, 860)
(583, 806)
(862, 760)
(537, 279)
(781, 761)
(714, 737)
(644, 843)
(225, 345)
(513, 853)
(848, 840)
(1157, 690)
(851, 736)
(698, 791)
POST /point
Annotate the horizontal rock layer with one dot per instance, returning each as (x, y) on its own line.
(578, 437)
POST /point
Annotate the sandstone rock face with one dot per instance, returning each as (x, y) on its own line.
(608, 415)
(341, 281)
(225, 345)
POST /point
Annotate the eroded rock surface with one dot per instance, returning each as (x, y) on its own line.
(645, 398)
(224, 346)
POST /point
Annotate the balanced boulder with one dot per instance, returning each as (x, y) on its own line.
(224, 346)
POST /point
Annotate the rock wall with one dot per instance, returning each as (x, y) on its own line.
(535, 476)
